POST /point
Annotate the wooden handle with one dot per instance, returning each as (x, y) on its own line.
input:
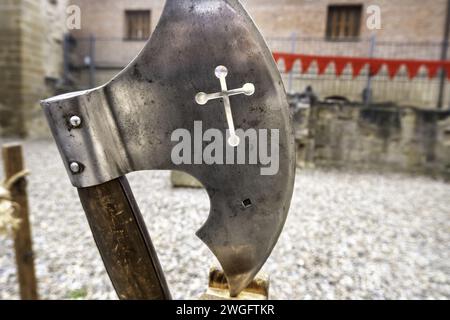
(123, 241)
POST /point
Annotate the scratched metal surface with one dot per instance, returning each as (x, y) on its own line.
(128, 122)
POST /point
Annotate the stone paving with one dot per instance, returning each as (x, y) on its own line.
(348, 236)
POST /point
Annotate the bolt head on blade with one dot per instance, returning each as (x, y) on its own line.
(75, 167)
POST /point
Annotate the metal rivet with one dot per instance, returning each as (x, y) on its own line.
(247, 203)
(75, 121)
(75, 167)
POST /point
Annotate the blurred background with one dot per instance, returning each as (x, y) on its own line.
(371, 208)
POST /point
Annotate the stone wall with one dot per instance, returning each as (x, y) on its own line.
(394, 138)
(402, 20)
(31, 37)
(11, 117)
(105, 20)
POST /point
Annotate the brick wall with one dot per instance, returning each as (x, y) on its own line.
(402, 20)
(106, 21)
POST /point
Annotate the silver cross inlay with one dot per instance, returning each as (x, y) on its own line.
(202, 98)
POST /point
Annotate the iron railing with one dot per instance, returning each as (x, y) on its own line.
(95, 60)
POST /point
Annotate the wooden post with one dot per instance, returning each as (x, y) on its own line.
(258, 289)
(13, 163)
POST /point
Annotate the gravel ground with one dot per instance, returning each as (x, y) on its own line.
(348, 236)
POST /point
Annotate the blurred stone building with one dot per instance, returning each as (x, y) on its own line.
(31, 62)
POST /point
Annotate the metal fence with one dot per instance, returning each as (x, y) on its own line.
(98, 59)
(420, 91)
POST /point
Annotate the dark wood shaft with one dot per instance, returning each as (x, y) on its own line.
(123, 241)
(13, 163)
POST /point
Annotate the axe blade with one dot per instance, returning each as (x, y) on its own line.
(127, 125)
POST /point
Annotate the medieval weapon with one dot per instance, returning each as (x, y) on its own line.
(127, 125)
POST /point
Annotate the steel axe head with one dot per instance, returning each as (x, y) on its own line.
(204, 96)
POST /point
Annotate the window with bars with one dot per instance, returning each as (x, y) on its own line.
(138, 24)
(344, 22)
